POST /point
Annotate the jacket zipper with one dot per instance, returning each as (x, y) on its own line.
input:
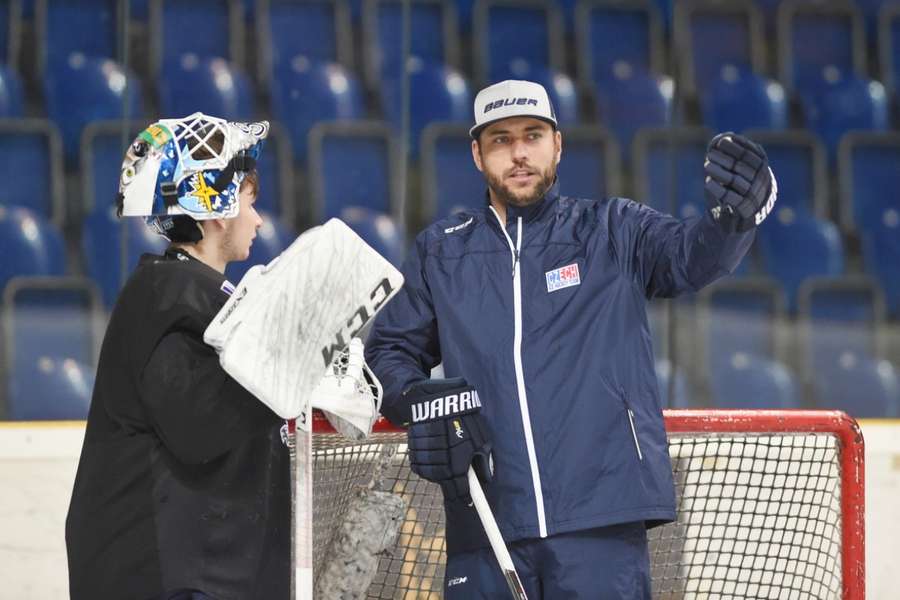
(630, 413)
(520, 374)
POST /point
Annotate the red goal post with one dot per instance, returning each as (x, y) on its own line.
(771, 504)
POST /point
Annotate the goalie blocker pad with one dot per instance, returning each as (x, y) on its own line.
(287, 320)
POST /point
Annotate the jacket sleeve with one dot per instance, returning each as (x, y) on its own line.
(198, 410)
(670, 256)
(403, 345)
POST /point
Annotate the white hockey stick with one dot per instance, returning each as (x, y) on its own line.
(494, 537)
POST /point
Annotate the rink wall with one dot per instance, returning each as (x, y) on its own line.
(37, 468)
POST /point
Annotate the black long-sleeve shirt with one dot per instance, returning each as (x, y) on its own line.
(183, 480)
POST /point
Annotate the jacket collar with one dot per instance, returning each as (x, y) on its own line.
(532, 211)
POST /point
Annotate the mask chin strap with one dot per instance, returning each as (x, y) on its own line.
(241, 162)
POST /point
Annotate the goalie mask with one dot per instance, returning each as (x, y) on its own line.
(192, 166)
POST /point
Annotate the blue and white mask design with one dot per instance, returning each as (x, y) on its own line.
(192, 166)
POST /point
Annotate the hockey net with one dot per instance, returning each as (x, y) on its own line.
(770, 505)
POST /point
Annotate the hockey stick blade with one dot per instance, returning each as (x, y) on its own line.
(494, 537)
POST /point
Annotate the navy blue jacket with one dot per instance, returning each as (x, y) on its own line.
(561, 356)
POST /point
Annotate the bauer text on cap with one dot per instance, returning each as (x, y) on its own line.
(511, 98)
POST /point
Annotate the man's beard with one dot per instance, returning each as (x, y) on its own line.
(508, 197)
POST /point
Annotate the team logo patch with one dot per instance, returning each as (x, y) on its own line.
(563, 277)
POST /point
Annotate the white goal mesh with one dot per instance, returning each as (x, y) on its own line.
(770, 505)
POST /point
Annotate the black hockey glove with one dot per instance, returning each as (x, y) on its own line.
(447, 434)
(740, 187)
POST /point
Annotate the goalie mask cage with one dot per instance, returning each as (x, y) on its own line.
(770, 505)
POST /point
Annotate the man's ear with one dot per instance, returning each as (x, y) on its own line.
(558, 143)
(476, 155)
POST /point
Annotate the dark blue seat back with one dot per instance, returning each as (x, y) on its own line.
(312, 31)
(796, 246)
(848, 104)
(204, 28)
(437, 93)
(429, 39)
(869, 166)
(511, 36)
(615, 36)
(633, 101)
(102, 247)
(450, 180)
(207, 85)
(88, 27)
(753, 382)
(799, 161)
(80, 91)
(378, 230)
(352, 164)
(590, 165)
(818, 42)
(31, 164)
(29, 245)
(668, 170)
(316, 92)
(50, 388)
(860, 386)
(738, 100)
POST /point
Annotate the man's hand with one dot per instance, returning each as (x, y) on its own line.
(447, 435)
(740, 186)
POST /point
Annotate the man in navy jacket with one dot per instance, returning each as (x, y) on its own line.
(538, 301)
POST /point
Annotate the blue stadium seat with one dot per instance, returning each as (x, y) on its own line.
(11, 94)
(352, 164)
(753, 382)
(512, 36)
(819, 42)
(681, 396)
(464, 10)
(869, 169)
(433, 36)
(271, 240)
(614, 35)
(50, 316)
(316, 31)
(378, 230)
(839, 316)
(450, 180)
(440, 94)
(100, 161)
(889, 49)
(308, 93)
(848, 104)
(10, 31)
(29, 245)
(633, 100)
(89, 28)
(740, 316)
(881, 255)
(84, 90)
(870, 10)
(208, 85)
(668, 170)
(739, 100)
(560, 88)
(710, 36)
(50, 388)
(795, 247)
(799, 162)
(102, 247)
(31, 164)
(862, 387)
(591, 164)
(204, 28)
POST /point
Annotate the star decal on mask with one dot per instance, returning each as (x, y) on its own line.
(203, 192)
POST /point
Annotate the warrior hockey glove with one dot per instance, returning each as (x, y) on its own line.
(447, 434)
(740, 186)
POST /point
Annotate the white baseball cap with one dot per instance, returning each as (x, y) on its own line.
(511, 98)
